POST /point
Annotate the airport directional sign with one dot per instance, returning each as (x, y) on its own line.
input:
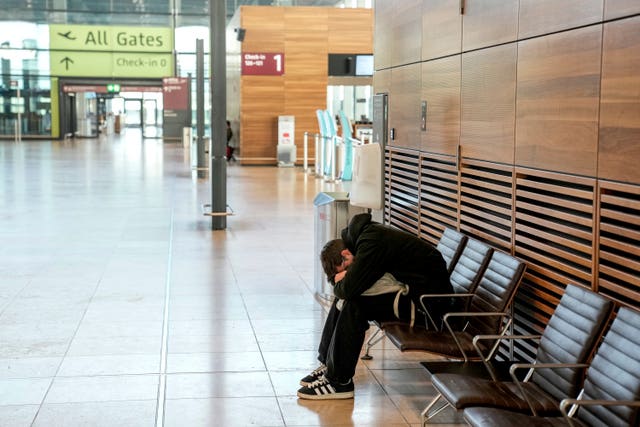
(110, 38)
(111, 64)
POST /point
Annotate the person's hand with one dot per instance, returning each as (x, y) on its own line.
(339, 276)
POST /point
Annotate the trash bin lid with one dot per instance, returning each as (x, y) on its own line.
(327, 197)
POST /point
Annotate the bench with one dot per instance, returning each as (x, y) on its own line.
(610, 395)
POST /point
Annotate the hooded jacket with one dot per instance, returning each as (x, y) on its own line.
(378, 249)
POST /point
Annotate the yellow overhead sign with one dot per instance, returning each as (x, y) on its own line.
(110, 39)
(104, 51)
(110, 64)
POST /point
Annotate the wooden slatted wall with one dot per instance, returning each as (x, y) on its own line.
(438, 195)
(486, 196)
(554, 235)
(619, 242)
(402, 189)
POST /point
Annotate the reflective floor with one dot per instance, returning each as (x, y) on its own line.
(119, 306)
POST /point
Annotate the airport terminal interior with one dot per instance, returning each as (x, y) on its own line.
(152, 276)
(119, 306)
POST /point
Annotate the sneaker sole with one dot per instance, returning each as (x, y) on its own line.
(332, 396)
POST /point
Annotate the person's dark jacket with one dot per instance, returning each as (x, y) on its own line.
(378, 248)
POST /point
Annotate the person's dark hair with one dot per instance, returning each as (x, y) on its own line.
(331, 257)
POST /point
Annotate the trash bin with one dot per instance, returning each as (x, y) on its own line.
(332, 214)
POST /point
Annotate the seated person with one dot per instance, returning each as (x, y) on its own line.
(354, 264)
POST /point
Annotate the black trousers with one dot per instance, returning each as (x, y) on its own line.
(344, 331)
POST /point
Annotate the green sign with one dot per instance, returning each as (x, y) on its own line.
(113, 87)
(108, 64)
(103, 51)
(110, 39)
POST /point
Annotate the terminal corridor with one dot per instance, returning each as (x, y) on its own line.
(120, 306)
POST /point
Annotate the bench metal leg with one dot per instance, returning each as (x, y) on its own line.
(373, 340)
(427, 414)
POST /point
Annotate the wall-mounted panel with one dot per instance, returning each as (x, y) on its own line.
(619, 8)
(619, 147)
(539, 17)
(382, 81)
(382, 37)
(407, 32)
(441, 28)
(404, 106)
(488, 22)
(258, 126)
(488, 104)
(438, 195)
(558, 101)
(348, 30)
(619, 242)
(265, 28)
(441, 92)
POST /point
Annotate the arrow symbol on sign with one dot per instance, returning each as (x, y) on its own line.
(66, 60)
(67, 35)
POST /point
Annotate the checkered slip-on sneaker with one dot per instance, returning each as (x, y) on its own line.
(313, 376)
(322, 389)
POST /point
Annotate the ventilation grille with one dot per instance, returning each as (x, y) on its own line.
(438, 196)
(486, 202)
(401, 189)
(619, 242)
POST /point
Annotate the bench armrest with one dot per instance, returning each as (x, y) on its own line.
(425, 310)
(532, 367)
(569, 406)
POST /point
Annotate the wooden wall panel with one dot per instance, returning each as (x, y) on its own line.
(619, 147)
(619, 8)
(441, 91)
(404, 106)
(539, 17)
(488, 104)
(258, 121)
(350, 30)
(382, 81)
(303, 35)
(382, 37)
(558, 101)
(441, 28)
(265, 27)
(489, 22)
(407, 32)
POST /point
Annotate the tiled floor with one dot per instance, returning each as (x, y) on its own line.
(119, 306)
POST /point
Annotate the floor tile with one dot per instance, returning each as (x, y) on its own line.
(98, 414)
(27, 391)
(29, 367)
(219, 384)
(228, 412)
(18, 415)
(215, 362)
(103, 388)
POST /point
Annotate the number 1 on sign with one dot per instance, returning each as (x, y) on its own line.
(278, 59)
